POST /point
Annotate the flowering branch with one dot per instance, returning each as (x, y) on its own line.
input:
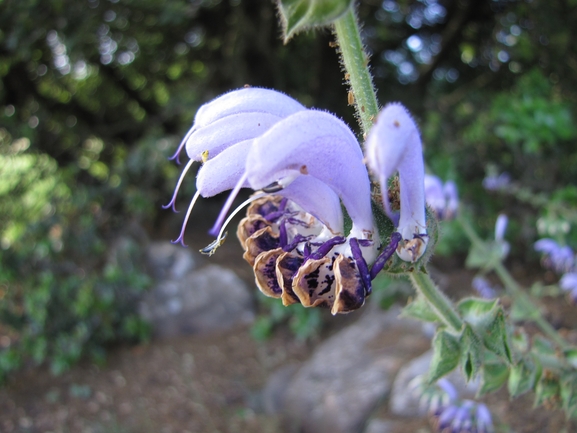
(514, 290)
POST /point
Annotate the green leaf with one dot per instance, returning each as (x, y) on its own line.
(477, 311)
(569, 394)
(547, 391)
(488, 321)
(571, 356)
(493, 376)
(523, 376)
(446, 354)
(471, 352)
(298, 15)
(420, 309)
(485, 255)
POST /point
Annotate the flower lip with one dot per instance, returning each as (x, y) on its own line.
(245, 100)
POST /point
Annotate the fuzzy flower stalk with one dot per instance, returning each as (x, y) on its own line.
(305, 166)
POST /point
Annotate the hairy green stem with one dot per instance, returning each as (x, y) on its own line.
(356, 63)
(437, 300)
(516, 291)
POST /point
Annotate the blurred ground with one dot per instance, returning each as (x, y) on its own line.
(211, 383)
(207, 383)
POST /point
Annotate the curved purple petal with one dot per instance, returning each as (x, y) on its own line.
(320, 145)
(434, 194)
(315, 197)
(222, 172)
(226, 132)
(246, 100)
(394, 144)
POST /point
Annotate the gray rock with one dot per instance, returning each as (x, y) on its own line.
(207, 299)
(381, 426)
(273, 395)
(349, 374)
(168, 261)
(405, 402)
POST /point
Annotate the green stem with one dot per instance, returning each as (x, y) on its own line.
(516, 291)
(437, 300)
(356, 63)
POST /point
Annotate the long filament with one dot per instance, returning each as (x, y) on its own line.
(190, 206)
(237, 210)
(181, 145)
(173, 201)
(227, 205)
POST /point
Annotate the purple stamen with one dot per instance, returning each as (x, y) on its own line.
(324, 249)
(222, 215)
(181, 146)
(297, 222)
(307, 250)
(385, 254)
(283, 203)
(361, 265)
(273, 216)
(180, 179)
(283, 236)
(297, 240)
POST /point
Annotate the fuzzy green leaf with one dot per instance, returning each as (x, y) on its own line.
(446, 354)
(493, 376)
(523, 376)
(298, 15)
(471, 352)
(420, 309)
(569, 394)
(488, 321)
(547, 391)
(485, 256)
(571, 356)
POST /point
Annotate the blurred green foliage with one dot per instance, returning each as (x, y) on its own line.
(63, 293)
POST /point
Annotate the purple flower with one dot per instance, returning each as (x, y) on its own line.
(568, 282)
(466, 416)
(483, 287)
(433, 398)
(555, 257)
(394, 145)
(496, 182)
(500, 228)
(303, 164)
(442, 198)
(448, 412)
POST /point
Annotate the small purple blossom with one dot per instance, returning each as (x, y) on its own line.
(466, 416)
(496, 182)
(394, 145)
(555, 257)
(483, 287)
(442, 198)
(568, 283)
(500, 228)
(448, 412)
